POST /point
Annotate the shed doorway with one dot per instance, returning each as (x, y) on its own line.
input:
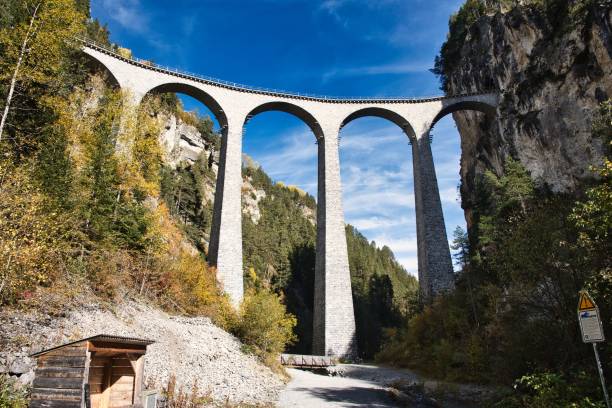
(112, 379)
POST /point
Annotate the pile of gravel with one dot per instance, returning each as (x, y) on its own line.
(194, 350)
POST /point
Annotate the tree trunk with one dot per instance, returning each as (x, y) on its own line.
(16, 72)
(6, 277)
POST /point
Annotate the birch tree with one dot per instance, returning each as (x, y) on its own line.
(34, 49)
(22, 53)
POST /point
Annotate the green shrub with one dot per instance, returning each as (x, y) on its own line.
(264, 325)
(11, 395)
(544, 390)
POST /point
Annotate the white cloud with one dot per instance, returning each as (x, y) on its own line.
(293, 160)
(398, 68)
(369, 141)
(405, 250)
(332, 8)
(400, 245)
(410, 263)
(132, 17)
(449, 195)
(379, 201)
(379, 222)
(376, 167)
(128, 14)
(189, 24)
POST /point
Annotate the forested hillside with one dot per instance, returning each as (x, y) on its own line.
(81, 178)
(536, 187)
(95, 207)
(281, 249)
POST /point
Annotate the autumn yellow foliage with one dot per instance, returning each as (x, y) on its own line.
(124, 52)
(113, 231)
(264, 324)
(53, 34)
(33, 245)
(297, 190)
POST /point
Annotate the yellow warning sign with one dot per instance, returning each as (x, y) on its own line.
(586, 302)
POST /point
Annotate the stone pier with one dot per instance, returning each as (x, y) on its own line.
(334, 319)
(434, 258)
(225, 249)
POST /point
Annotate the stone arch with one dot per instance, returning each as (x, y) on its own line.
(291, 109)
(448, 108)
(95, 62)
(383, 113)
(434, 258)
(196, 93)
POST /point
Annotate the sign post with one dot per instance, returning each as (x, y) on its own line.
(592, 332)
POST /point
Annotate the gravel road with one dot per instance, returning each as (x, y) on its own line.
(362, 385)
(313, 390)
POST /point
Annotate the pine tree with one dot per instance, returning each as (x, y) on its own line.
(461, 245)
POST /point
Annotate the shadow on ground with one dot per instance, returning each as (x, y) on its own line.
(361, 396)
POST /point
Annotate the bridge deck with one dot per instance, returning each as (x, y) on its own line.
(146, 64)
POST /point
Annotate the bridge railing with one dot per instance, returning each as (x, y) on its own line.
(306, 361)
(147, 64)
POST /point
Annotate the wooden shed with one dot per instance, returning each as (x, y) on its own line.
(102, 371)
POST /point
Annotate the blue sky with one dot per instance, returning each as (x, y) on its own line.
(328, 47)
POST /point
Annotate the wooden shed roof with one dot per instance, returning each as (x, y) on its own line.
(100, 338)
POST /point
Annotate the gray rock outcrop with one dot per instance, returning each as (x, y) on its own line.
(553, 77)
(181, 141)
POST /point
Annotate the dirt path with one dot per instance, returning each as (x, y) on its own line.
(313, 390)
(364, 385)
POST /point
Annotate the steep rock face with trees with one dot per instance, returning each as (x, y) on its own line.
(537, 189)
(183, 142)
(552, 63)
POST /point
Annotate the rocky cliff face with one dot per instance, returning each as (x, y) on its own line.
(552, 75)
(183, 142)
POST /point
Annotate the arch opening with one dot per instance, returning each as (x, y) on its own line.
(95, 64)
(377, 184)
(196, 93)
(447, 151)
(279, 212)
(190, 142)
(482, 107)
(382, 113)
(291, 109)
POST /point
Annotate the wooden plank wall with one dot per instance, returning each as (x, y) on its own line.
(122, 380)
(97, 379)
(59, 378)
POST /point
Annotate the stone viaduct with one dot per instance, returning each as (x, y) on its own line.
(234, 104)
